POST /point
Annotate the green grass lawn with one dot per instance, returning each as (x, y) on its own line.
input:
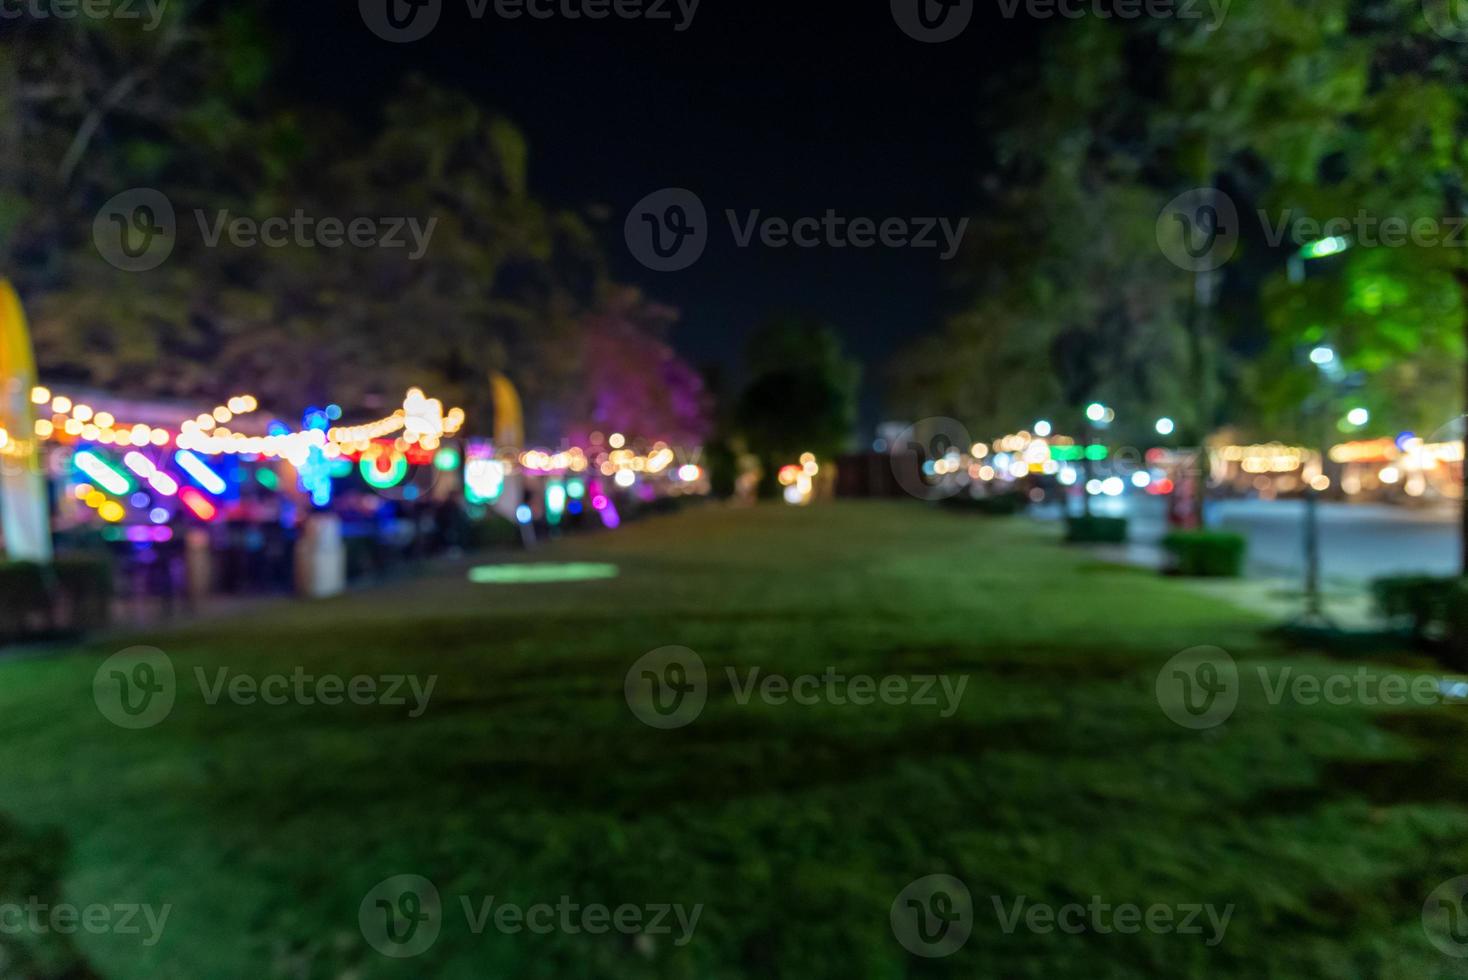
(795, 827)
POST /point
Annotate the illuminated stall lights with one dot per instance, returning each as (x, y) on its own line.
(798, 479)
(144, 467)
(446, 460)
(1072, 453)
(484, 480)
(383, 467)
(555, 502)
(103, 473)
(540, 461)
(141, 534)
(200, 473)
(198, 504)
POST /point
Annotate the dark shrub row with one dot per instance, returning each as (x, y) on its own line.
(69, 595)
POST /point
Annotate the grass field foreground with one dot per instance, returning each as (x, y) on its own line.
(1055, 777)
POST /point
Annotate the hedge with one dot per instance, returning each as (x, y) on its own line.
(997, 505)
(72, 594)
(1209, 554)
(1095, 530)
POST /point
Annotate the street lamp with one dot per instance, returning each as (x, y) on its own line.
(1324, 357)
(1324, 248)
(1333, 381)
(1097, 414)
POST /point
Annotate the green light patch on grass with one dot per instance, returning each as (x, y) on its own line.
(523, 574)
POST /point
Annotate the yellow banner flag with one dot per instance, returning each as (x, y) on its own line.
(25, 524)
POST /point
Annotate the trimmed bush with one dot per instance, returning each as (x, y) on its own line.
(1434, 608)
(1208, 554)
(73, 593)
(493, 531)
(85, 583)
(1426, 604)
(997, 505)
(25, 598)
(1095, 530)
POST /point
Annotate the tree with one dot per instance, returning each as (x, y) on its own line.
(800, 397)
(190, 110)
(631, 381)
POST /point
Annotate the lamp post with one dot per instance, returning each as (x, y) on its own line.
(1097, 415)
(1315, 614)
(1327, 363)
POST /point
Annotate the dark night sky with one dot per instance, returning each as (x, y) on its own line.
(770, 104)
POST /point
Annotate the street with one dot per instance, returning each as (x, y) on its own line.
(1358, 542)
